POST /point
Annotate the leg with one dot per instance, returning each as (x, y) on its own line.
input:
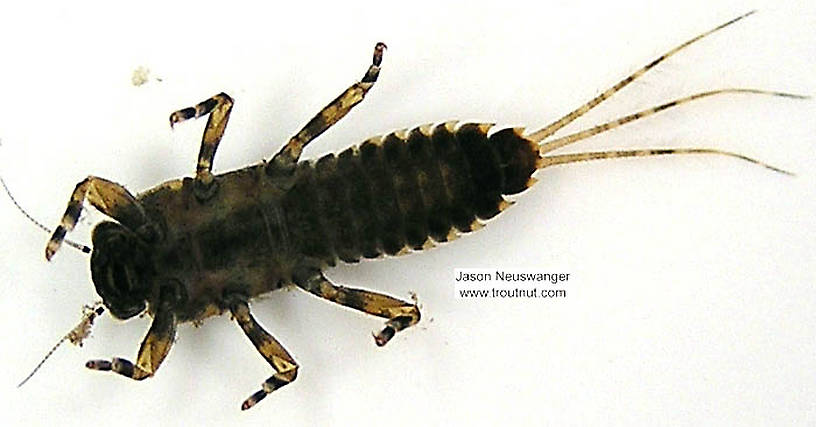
(332, 113)
(154, 349)
(400, 314)
(219, 108)
(599, 155)
(553, 127)
(109, 197)
(277, 356)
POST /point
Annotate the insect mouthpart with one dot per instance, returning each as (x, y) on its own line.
(119, 269)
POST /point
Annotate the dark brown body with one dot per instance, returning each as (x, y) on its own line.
(196, 247)
(262, 230)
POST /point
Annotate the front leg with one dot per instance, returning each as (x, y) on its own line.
(331, 113)
(400, 314)
(109, 197)
(154, 349)
(219, 108)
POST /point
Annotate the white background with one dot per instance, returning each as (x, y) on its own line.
(691, 296)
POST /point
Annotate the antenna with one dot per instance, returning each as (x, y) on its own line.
(76, 335)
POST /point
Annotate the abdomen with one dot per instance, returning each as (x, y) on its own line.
(396, 192)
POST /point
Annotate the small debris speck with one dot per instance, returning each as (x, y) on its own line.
(140, 76)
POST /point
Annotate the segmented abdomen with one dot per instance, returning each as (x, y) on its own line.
(396, 191)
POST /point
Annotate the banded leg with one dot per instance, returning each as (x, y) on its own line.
(285, 366)
(109, 197)
(154, 349)
(553, 127)
(400, 314)
(332, 113)
(219, 108)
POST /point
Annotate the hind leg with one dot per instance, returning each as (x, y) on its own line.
(400, 314)
(331, 113)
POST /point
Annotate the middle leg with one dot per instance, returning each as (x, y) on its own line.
(219, 108)
(285, 366)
